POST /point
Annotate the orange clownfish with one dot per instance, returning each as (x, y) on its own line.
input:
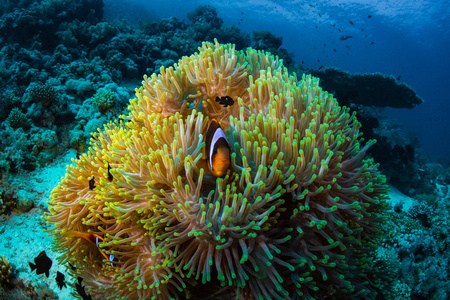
(94, 240)
(218, 150)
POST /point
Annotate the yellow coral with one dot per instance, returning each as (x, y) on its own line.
(295, 217)
(5, 271)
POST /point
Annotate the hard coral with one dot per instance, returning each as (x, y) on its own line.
(104, 100)
(5, 272)
(43, 93)
(296, 216)
(18, 119)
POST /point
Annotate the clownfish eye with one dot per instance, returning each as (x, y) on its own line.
(217, 149)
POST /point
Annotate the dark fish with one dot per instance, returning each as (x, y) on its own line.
(92, 183)
(110, 177)
(225, 101)
(60, 280)
(217, 149)
(334, 50)
(81, 291)
(351, 22)
(78, 155)
(372, 43)
(399, 77)
(369, 16)
(42, 264)
(345, 37)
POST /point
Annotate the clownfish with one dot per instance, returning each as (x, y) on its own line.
(94, 240)
(218, 152)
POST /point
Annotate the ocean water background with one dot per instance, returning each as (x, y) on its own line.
(407, 39)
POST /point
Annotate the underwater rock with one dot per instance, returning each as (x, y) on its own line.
(367, 89)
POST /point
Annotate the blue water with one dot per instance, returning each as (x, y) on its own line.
(410, 38)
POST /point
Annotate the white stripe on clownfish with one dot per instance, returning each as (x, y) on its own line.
(217, 149)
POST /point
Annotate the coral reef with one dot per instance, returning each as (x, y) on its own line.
(6, 272)
(43, 93)
(104, 100)
(414, 260)
(18, 119)
(297, 215)
(58, 57)
(367, 89)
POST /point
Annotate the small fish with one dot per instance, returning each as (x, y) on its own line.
(42, 264)
(110, 177)
(345, 37)
(399, 77)
(369, 16)
(81, 291)
(225, 101)
(372, 43)
(60, 280)
(78, 155)
(92, 183)
(351, 22)
(217, 149)
(94, 240)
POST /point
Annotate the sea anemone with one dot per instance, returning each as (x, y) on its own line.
(296, 216)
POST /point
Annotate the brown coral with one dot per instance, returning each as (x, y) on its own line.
(5, 272)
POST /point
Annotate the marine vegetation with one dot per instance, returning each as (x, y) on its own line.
(294, 212)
